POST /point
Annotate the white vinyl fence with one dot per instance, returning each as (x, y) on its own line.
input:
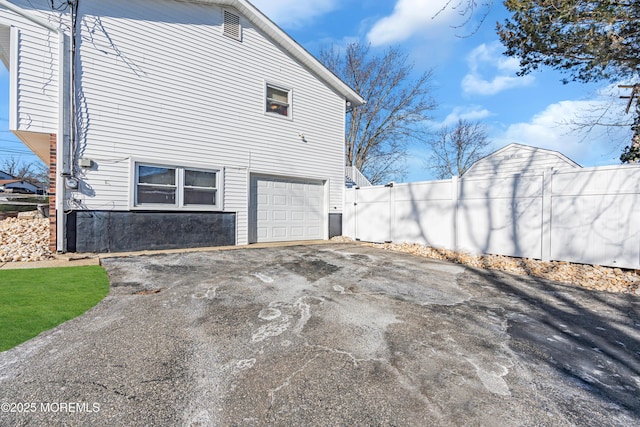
(589, 215)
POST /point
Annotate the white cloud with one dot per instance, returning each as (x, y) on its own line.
(556, 128)
(487, 59)
(411, 17)
(294, 13)
(472, 113)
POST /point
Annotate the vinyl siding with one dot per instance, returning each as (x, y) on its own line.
(519, 159)
(160, 80)
(5, 45)
(37, 73)
(235, 199)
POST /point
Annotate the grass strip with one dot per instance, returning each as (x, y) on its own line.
(35, 300)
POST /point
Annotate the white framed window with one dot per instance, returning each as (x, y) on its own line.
(278, 100)
(157, 186)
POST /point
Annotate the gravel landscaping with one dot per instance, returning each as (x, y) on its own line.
(27, 239)
(592, 277)
(24, 239)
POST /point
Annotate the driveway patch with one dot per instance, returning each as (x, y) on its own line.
(337, 334)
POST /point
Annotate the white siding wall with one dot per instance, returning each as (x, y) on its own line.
(518, 159)
(5, 44)
(37, 72)
(161, 81)
(235, 200)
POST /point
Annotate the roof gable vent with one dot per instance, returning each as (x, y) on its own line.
(232, 25)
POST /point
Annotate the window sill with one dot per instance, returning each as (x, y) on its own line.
(173, 208)
(280, 116)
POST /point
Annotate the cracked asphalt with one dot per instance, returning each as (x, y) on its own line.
(329, 335)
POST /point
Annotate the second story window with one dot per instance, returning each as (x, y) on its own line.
(278, 101)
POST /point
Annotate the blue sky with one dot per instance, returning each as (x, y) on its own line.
(472, 79)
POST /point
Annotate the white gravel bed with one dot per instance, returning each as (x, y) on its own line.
(24, 239)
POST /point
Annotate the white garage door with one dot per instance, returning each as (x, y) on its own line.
(287, 209)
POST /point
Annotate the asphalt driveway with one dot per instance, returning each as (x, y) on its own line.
(329, 335)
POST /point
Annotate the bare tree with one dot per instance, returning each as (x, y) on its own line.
(377, 132)
(455, 149)
(468, 9)
(34, 172)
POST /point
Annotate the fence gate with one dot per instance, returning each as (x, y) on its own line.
(373, 214)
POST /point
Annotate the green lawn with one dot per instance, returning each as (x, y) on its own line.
(34, 300)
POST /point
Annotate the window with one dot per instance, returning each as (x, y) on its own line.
(231, 26)
(200, 187)
(156, 185)
(278, 101)
(178, 187)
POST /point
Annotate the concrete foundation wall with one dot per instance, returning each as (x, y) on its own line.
(335, 225)
(104, 231)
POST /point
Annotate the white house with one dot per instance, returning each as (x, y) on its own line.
(519, 159)
(18, 186)
(173, 123)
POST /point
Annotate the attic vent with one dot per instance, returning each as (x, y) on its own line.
(232, 25)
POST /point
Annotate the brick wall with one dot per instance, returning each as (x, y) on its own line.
(52, 192)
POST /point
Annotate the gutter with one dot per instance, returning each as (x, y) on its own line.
(62, 135)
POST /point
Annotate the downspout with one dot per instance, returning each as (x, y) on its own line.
(62, 136)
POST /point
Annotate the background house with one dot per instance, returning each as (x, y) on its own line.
(18, 186)
(519, 159)
(197, 123)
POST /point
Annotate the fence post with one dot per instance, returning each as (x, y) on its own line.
(355, 213)
(547, 177)
(392, 211)
(455, 191)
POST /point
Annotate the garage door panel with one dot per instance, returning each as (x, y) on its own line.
(313, 231)
(279, 215)
(288, 209)
(313, 216)
(279, 232)
(262, 234)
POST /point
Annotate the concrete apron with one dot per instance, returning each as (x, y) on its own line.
(82, 259)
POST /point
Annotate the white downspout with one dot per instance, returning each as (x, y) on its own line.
(62, 136)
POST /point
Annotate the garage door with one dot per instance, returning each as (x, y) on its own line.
(287, 209)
